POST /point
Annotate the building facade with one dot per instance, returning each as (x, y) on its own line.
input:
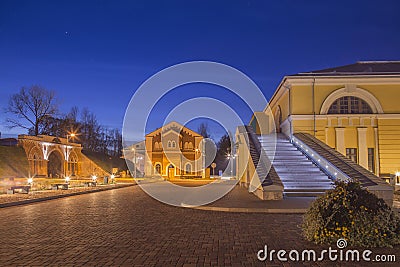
(174, 151)
(354, 109)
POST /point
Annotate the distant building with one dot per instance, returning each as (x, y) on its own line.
(172, 151)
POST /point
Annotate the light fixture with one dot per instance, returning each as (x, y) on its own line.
(112, 176)
(94, 177)
(397, 174)
(335, 173)
(67, 179)
(30, 180)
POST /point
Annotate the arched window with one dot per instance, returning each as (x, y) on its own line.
(72, 165)
(349, 105)
(173, 144)
(190, 146)
(158, 168)
(156, 145)
(186, 146)
(169, 144)
(188, 168)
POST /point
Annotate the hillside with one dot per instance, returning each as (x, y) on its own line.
(106, 162)
(13, 162)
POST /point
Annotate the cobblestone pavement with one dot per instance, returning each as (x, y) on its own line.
(17, 197)
(125, 227)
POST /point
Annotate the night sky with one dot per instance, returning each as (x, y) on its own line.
(95, 54)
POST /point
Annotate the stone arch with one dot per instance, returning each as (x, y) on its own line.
(55, 164)
(35, 158)
(363, 94)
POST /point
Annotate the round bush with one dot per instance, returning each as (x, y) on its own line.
(351, 212)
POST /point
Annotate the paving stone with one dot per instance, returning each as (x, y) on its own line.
(125, 227)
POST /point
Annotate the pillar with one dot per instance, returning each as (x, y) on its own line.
(340, 140)
(362, 147)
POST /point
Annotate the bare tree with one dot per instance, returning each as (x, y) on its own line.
(34, 105)
(203, 130)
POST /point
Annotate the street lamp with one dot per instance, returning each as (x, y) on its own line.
(134, 162)
(70, 135)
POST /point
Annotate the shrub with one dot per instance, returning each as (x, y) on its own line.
(351, 212)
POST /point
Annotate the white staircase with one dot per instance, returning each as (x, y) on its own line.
(299, 175)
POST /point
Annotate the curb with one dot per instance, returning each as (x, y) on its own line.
(31, 201)
(251, 210)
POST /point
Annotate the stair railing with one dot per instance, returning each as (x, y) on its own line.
(328, 168)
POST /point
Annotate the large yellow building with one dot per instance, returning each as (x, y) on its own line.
(354, 109)
(174, 151)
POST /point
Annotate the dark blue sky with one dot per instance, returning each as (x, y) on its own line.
(95, 54)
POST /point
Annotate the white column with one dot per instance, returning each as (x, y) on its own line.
(340, 140)
(377, 165)
(362, 147)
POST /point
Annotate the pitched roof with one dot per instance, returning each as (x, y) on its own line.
(358, 68)
(174, 126)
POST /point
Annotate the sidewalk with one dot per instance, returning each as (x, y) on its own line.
(240, 200)
(37, 196)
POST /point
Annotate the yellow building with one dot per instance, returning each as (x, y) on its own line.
(354, 109)
(174, 151)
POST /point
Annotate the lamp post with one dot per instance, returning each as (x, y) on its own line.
(134, 162)
(231, 158)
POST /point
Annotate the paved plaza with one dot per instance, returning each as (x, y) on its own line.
(125, 227)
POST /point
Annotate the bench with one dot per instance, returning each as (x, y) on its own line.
(59, 186)
(23, 188)
(89, 184)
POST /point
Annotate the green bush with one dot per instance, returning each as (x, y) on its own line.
(351, 212)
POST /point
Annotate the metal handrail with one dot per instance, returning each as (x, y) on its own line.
(328, 168)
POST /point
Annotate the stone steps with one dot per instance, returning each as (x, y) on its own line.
(299, 175)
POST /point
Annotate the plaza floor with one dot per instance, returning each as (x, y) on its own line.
(125, 227)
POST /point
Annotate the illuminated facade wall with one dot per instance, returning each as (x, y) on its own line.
(358, 115)
(173, 151)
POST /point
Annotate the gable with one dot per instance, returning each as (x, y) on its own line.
(175, 127)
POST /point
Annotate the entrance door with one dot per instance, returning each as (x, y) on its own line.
(171, 171)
